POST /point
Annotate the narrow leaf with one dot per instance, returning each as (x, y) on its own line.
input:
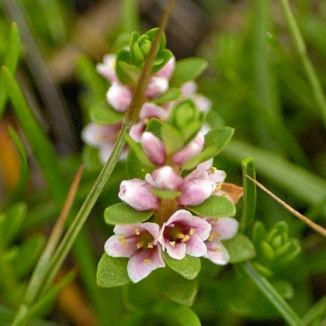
(273, 296)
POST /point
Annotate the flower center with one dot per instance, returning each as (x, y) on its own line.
(145, 240)
(177, 233)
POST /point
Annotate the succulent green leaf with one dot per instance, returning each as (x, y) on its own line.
(135, 168)
(121, 213)
(137, 149)
(112, 272)
(240, 248)
(101, 113)
(189, 267)
(171, 95)
(154, 126)
(178, 289)
(214, 207)
(187, 69)
(172, 138)
(215, 141)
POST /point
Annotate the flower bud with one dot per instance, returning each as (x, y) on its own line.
(156, 87)
(164, 178)
(119, 97)
(153, 147)
(137, 193)
(107, 68)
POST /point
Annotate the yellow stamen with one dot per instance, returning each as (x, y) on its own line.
(192, 231)
(172, 243)
(147, 261)
(123, 240)
(150, 245)
(185, 238)
(137, 231)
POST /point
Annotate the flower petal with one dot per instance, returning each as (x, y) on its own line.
(176, 251)
(225, 227)
(196, 246)
(107, 68)
(143, 263)
(218, 254)
(151, 110)
(120, 246)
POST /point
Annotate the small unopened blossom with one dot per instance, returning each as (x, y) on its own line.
(102, 136)
(164, 178)
(184, 234)
(138, 194)
(222, 229)
(189, 90)
(156, 87)
(107, 68)
(167, 70)
(155, 149)
(190, 150)
(139, 243)
(148, 111)
(200, 184)
(119, 97)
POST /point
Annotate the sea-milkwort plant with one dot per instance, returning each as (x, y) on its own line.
(176, 206)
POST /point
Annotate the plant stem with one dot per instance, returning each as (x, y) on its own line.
(307, 65)
(273, 296)
(316, 227)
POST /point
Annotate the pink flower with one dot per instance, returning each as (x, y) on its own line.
(222, 229)
(200, 184)
(139, 243)
(119, 97)
(137, 194)
(148, 111)
(102, 137)
(107, 68)
(184, 234)
(155, 149)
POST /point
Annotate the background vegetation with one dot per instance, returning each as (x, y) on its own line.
(258, 85)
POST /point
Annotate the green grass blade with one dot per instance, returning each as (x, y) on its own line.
(11, 60)
(249, 196)
(273, 296)
(307, 65)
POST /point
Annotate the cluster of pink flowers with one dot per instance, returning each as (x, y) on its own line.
(119, 96)
(173, 228)
(181, 233)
